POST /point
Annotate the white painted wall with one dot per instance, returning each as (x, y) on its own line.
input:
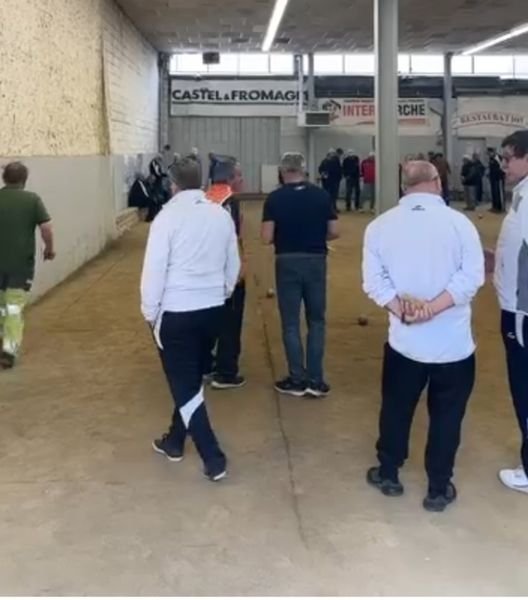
(77, 192)
(79, 95)
(131, 85)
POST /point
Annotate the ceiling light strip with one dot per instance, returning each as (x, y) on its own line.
(494, 41)
(276, 17)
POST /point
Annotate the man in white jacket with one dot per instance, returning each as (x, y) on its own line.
(425, 250)
(511, 283)
(191, 267)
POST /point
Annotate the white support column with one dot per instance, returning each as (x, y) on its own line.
(312, 105)
(447, 127)
(311, 83)
(387, 141)
(164, 100)
(300, 80)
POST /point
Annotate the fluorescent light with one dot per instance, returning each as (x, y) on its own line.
(499, 39)
(273, 25)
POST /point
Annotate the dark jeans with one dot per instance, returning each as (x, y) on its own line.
(479, 190)
(497, 194)
(301, 278)
(470, 195)
(229, 342)
(333, 190)
(23, 281)
(515, 335)
(369, 192)
(449, 388)
(352, 185)
(445, 192)
(184, 338)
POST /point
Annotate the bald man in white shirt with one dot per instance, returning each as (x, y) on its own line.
(191, 267)
(424, 263)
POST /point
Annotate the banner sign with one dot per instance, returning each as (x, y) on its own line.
(493, 117)
(361, 112)
(222, 97)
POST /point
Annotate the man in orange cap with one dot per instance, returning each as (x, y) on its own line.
(227, 182)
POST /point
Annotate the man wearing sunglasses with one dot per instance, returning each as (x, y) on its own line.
(511, 283)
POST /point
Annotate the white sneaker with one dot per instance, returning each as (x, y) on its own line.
(515, 479)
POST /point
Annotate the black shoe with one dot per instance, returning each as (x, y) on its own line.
(7, 361)
(208, 378)
(216, 473)
(388, 487)
(438, 502)
(220, 382)
(318, 390)
(167, 448)
(291, 387)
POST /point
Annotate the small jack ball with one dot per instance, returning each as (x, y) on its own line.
(270, 293)
(363, 321)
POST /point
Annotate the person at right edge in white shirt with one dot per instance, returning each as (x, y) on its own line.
(424, 263)
(511, 283)
(191, 267)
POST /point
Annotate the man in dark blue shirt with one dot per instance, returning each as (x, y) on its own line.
(298, 219)
(335, 174)
(352, 175)
(496, 177)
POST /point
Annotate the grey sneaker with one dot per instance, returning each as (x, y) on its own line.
(388, 487)
(438, 502)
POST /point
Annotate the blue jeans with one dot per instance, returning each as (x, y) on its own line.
(301, 278)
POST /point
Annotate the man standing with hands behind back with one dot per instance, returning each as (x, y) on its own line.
(426, 250)
(20, 213)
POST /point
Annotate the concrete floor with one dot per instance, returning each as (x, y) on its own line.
(87, 508)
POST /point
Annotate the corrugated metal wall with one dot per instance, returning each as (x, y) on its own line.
(254, 140)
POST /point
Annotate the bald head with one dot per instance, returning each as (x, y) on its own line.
(421, 176)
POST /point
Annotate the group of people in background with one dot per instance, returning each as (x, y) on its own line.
(359, 176)
(472, 176)
(149, 193)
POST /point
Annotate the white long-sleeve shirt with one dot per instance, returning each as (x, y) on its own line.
(191, 260)
(511, 259)
(422, 248)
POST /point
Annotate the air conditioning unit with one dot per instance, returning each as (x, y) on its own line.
(314, 118)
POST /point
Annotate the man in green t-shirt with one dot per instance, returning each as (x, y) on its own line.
(21, 212)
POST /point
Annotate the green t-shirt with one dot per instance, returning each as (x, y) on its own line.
(20, 213)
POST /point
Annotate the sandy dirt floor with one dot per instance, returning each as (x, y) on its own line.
(87, 508)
